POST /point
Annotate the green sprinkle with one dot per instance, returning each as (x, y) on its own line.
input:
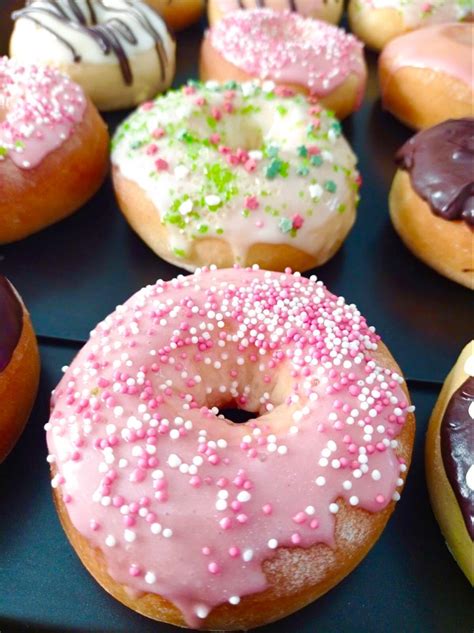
(230, 85)
(276, 168)
(341, 208)
(302, 151)
(219, 231)
(221, 179)
(330, 186)
(179, 252)
(316, 160)
(212, 123)
(285, 225)
(184, 135)
(336, 126)
(272, 151)
(246, 213)
(302, 170)
(203, 228)
(3, 151)
(282, 110)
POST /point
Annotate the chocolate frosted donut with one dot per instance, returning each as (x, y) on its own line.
(432, 198)
(440, 162)
(456, 433)
(19, 366)
(11, 322)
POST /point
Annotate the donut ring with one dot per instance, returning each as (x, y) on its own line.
(53, 149)
(431, 198)
(204, 523)
(449, 460)
(326, 10)
(426, 75)
(19, 367)
(376, 22)
(303, 54)
(119, 51)
(209, 175)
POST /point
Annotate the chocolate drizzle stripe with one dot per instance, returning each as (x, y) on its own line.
(11, 322)
(440, 162)
(457, 448)
(106, 35)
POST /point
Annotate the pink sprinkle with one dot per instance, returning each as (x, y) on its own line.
(215, 138)
(152, 149)
(158, 133)
(214, 568)
(380, 499)
(134, 570)
(216, 114)
(298, 221)
(242, 518)
(206, 551)
(148, 105)
(234, 551)
(267, 509)
(161, 164)
(296, 538)
(300, 517)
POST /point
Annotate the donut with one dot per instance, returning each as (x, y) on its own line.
(19, 366)
(53, 149)
(178, 14)
(450, 461)
(224, 174)
(326, 10)
(306, 55)
(191, 519)
(432, 198)
(119, 51)
(376, 22)
(426, 75)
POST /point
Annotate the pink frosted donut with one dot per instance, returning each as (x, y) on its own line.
(327, 10)
(305, 54)
(53, 148)
(191, 519)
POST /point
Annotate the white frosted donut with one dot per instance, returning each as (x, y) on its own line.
(236, 173)
(377, 22)
(119, 51)
(189, 518)
(327, 10)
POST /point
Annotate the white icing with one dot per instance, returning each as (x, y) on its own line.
(470, 477)
(43, 46)
(422, 12)
(287, 196)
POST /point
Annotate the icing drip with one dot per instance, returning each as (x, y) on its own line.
(111, 24)
(288, 48)
(440, 162)
(41, 108)
(457, 442)
(11, 322)
(187, 504)
(244, 163)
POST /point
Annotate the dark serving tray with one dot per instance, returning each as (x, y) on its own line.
(73, 274)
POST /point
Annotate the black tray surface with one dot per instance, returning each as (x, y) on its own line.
(409, 583)
(74, 273)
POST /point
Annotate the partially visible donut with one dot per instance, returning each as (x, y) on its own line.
(306, 55)
(19, 367)
(191, 519)
(178, 14)
(450, 460)
(53, 149)
(426, 76)
(119, 51)
(326, 10)
(377, 22)
(432, 198)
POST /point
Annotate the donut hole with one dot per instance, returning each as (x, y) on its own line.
(236, 415)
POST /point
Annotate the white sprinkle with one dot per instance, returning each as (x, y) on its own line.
(353, 500)
(221, 505)
(167, 533)
(272, 543)
(247, 555)
(212, 200)
(181, 172)
(155, 528)
(174, 461)
(320, 481)
(234, 600)
(315, 191)
(110, 541)
(129, 536)
(150, 577)
(310, 510)
(244, 496)
(186, 207)
(347, 485)
(333, 508)
(376, 475)
(202, 611)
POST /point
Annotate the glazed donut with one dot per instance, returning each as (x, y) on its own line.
(53, 149)
(306, 55)
(326, 10)
(450, 461)
(224, 174)
(190, 519)
(376, 22)
(19, 366)
(119, 51)
(178, 14)
(426, 76)
(432, 198)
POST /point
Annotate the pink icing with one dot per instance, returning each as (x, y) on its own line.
(445, 48)
(288, 48)
(186, 504)
(306, 8)
(40, 109)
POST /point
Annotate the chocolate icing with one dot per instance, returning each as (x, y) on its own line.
(457, 448)
(11, 322)
(107, 35)
(440, 162)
